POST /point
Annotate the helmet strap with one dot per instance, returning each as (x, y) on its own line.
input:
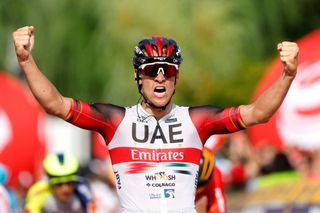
(146, 100)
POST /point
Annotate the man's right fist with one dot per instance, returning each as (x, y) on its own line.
(23, 39)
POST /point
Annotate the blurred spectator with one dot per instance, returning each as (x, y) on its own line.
(4, 200)
(8, 201)
(249, 163)
(64, 191)
(306, 162)
(274, 168)
(271, 160)
(244, 163)
(101, 179)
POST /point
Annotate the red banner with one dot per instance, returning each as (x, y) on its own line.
(297, 122)
(22, 144)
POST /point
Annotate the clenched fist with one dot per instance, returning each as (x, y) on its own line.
(289, 57)
(23, 40)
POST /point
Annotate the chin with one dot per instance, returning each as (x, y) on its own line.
(161, 103)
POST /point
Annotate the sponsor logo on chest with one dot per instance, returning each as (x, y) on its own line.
(172, 133)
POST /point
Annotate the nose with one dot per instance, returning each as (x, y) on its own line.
(160, 76)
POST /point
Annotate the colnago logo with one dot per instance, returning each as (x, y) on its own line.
(160, 176)
(174, 134)
(161, 184)
(156, 155)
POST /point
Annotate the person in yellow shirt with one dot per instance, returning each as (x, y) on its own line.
(64, 191)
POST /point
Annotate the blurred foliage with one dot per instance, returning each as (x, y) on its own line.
(85, 47)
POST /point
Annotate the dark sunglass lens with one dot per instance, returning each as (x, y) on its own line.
(170, 71)
(150, 70)
(153, 70)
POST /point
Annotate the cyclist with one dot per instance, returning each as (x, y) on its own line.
(155, 146)
(63, 192)
(210, 184)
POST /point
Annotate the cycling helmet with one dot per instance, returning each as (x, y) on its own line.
(206, 167)
(156, 49)
(61, 168)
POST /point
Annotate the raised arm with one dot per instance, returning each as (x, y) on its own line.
(43, 90)
(267, 104)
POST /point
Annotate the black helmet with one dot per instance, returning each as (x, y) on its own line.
(156, 49)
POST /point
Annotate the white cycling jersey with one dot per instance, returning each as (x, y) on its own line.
(155, 162)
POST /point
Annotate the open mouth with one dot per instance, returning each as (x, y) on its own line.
(160, 89)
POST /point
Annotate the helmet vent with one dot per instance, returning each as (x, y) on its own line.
(154, 49)
(61, 158)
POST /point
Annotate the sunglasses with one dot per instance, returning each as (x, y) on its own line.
(65, 183)
(153, 69)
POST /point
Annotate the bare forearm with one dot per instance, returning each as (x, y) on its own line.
(267, 103)
(271, 100)
(44, 91)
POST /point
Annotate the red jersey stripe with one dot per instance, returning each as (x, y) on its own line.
(70, 113)
(130, 154)
(232, 119)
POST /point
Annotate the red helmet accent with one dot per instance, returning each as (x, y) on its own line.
(169, 49)
(159, 45)
(149, 49)
(156, 49)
